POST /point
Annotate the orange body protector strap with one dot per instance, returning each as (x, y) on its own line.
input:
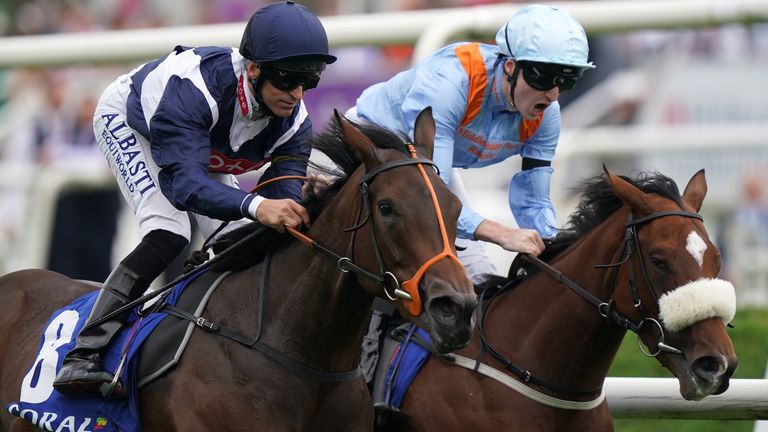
(474, 65)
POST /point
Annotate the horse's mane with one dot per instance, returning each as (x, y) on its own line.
(331, 143)
(261, 239)
(598, 202)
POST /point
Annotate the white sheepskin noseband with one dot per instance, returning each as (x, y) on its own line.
(697, 301)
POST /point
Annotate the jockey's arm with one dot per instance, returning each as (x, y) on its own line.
(181, 148)
(529, 189)
(289, 159)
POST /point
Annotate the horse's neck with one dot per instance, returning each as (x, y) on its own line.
(559, 336)
(322, 309)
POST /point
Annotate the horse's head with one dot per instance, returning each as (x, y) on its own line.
(406, 223)
(682, 307)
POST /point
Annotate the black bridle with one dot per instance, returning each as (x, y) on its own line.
(345, 264)
(386, 279)
(392, 288)
(630, 245)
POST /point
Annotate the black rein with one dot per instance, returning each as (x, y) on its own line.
(605, 309)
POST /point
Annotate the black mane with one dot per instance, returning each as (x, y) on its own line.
(331, 143)
(598, 202)
(261, 239)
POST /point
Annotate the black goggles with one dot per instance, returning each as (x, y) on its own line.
(287, 80)
(545, 76)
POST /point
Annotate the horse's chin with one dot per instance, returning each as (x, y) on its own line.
(690, 391)
(444, 347)
(692, 387)
(445, 339)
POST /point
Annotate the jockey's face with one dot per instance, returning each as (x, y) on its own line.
(280, 102)
(530, 102)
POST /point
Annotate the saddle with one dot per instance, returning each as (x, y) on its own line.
(406, 349)
(164, 346)
(150, 346)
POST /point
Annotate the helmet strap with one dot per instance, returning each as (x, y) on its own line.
(258, 103)
(512, 80)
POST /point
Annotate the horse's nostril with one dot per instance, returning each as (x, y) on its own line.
(444, 307)
(709, 368)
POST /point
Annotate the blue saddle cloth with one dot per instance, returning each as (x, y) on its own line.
(50, 410)
(405, 365)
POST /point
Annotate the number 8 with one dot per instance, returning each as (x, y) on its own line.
(59, 332)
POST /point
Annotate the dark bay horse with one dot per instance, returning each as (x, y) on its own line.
(391, 219)
(634, 255)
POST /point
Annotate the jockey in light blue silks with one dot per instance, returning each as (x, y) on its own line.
(491, 102)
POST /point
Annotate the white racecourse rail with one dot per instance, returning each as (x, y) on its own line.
(428, 30)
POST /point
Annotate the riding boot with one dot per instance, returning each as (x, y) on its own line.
(81, 371)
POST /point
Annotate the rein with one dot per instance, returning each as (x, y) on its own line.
(387, 279)
(605, 309)
(408, 291)
(255, 344)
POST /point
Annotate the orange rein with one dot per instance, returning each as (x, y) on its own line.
(304, 238)
(276, 179)
(411, 286)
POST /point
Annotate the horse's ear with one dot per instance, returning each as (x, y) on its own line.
(424, 131)
(628, 193)
(696, 190)
(361, 145)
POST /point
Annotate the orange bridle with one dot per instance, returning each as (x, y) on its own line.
(411, 286)
(409, 293)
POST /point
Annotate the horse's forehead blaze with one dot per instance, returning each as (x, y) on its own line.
(681, 235)
(696, 246)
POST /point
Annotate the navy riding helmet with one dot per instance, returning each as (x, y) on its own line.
(286, 35)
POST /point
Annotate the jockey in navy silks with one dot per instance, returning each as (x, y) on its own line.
(176, 131)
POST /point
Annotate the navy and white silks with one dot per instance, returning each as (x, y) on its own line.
(176, 131)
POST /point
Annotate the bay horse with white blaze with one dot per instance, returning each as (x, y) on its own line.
(390, 219)
(634, 256)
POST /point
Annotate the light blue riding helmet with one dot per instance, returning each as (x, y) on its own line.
(545, 34)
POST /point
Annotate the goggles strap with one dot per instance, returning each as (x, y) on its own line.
(258, 105)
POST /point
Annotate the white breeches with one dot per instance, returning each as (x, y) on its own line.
(129, 156)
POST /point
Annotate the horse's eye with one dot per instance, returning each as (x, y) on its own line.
(658, 263)
(385, 209)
